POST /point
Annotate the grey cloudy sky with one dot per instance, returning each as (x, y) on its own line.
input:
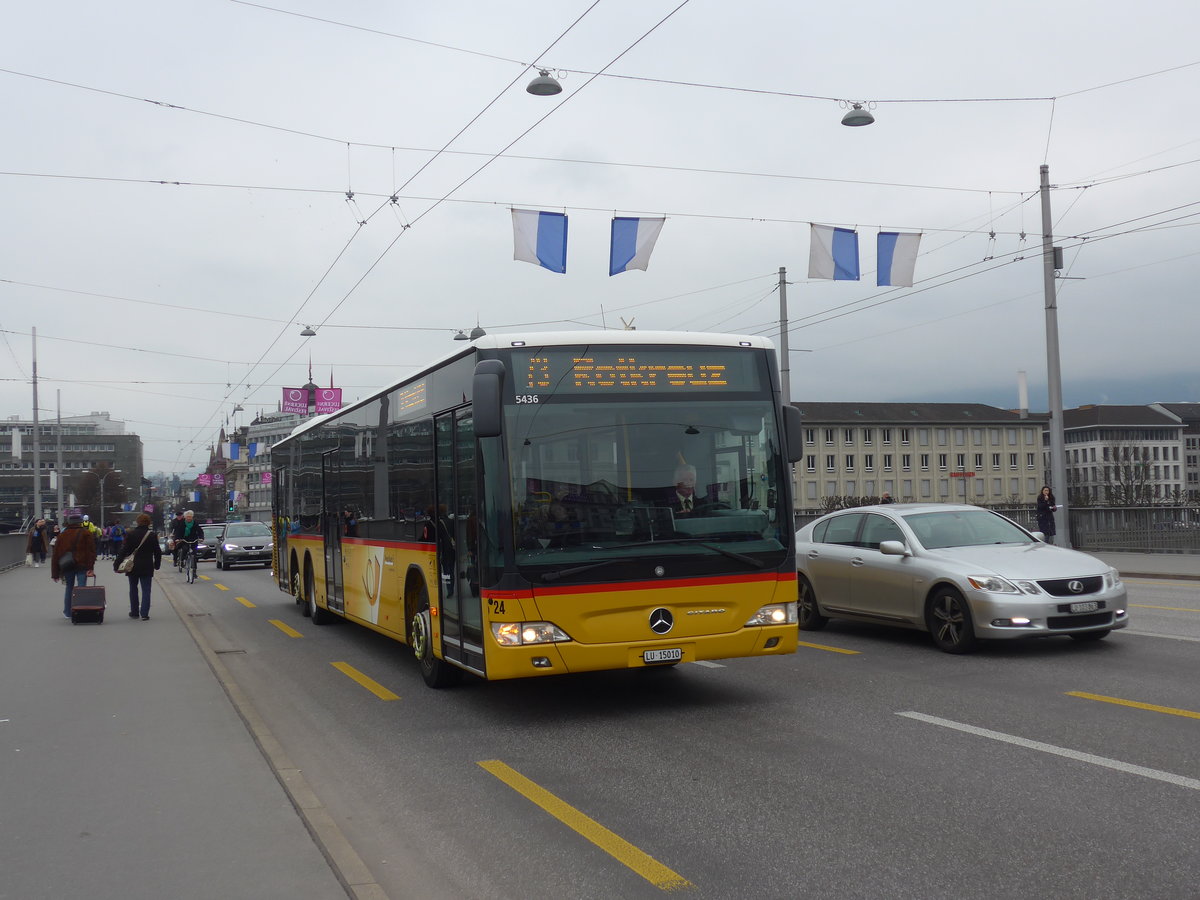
(175, 179)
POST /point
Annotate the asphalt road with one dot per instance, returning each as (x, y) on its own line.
(866, 765)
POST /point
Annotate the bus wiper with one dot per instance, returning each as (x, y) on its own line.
(577, 570)
(732, 554)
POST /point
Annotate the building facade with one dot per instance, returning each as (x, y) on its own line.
(87, 443)
(1189, 415)
(1125, 455)
(917, 452)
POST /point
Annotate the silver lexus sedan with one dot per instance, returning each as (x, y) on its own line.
(962, 573)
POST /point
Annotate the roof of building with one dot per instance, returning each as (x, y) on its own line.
(1092, 416)
(908, 413)
(1189, 412)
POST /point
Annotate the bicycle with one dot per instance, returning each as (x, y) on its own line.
(189, 562)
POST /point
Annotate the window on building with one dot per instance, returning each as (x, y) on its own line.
(906, 461)
(810, 462)
(978, 461)
(886, 434)
(926, 487)
(905, 434)
(847, 436)
(960, 436)
(1029, 463)
(942, 460)
(925, 461)
(810, 435)
(887, 462)
(849, 462)
(1012, 460)
(960, 461)
(868, 435)
(942, 436)
(869, 462)
(830, 462)
(830, 435)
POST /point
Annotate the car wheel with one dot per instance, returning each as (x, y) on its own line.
(1091, 635)
(949, 621)
(809, 613)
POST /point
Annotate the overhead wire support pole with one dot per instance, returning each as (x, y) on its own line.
(785, 366)
(37, 440)
(1058, 456)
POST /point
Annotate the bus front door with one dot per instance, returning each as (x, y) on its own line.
(461, 612)
(331, 477)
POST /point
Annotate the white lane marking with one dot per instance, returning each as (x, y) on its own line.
(707, 664)
(1173, 637)
(1157, 775)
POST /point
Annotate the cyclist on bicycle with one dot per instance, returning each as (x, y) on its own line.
(185, 531)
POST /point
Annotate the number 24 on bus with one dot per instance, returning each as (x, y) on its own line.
(540, 504)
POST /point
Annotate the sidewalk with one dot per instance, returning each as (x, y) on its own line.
(125, 769)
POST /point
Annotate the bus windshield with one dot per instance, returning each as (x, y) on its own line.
(596, 480)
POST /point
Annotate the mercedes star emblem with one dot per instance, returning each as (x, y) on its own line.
(661, 621)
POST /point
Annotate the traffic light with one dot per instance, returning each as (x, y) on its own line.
(231, 507)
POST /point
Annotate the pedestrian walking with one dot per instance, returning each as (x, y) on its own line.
(74, 557)
(142, 544)
(1046, 508)
(37, 541)
(116, 535)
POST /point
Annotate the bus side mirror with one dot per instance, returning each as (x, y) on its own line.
(486, 387)
(793, 433)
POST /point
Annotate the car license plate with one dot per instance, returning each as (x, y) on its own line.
(657, 656)
(1085, 606)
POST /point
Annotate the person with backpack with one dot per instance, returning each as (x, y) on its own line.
(116, 535)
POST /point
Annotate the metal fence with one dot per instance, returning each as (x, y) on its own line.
(1132, 529)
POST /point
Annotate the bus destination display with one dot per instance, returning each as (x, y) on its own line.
(644, 370)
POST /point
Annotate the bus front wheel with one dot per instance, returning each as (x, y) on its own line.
(437, 672)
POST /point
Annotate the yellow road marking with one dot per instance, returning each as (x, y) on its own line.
(830, 649)
(373, 686)
(203, 577)
(220, 587)
(285, 628)
(617, 847)
(1171, 608)
(246, 603)
(1169, 710)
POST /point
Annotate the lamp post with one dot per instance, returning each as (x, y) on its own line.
(102, 479)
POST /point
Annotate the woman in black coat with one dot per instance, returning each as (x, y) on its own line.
(1046, 507)
(142, 543)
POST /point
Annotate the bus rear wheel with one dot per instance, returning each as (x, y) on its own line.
(319, 615)
(437, 672)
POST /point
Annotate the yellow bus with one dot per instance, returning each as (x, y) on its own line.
(540, 504)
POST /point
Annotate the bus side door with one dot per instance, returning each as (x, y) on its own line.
(461, 611)
(331, 524)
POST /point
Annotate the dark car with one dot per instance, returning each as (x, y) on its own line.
(212, 537)
(245, 544)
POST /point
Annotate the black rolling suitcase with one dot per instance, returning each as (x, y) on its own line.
(87, 604)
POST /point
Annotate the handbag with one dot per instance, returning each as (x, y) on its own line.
(29, 559)
(126, 565)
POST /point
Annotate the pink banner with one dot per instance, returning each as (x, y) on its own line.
(266, 478)
(204, 479)
(329, 400)
(218, 477)
(295, 400)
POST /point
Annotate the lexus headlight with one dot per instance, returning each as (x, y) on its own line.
(992, 584)
(775, 614)
(516, 634)
(1112, 578)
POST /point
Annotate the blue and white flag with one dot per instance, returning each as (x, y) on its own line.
(896, 258)
(231, 451)
(833, 253)
(540, 238)
(252, 450)
(194, 496)
(632, 243)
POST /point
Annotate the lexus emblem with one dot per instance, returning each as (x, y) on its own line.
(1075, 587)
(661, 621)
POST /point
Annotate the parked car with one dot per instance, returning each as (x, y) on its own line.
(961, 573)
(245, 543)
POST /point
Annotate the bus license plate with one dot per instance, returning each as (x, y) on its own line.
(1085, 606)
(658, 656)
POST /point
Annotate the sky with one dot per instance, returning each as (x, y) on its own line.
(187, 185)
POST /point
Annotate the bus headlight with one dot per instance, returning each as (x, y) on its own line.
(516, 634)
(775, 614)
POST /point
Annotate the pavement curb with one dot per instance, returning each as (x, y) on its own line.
(348, 867)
